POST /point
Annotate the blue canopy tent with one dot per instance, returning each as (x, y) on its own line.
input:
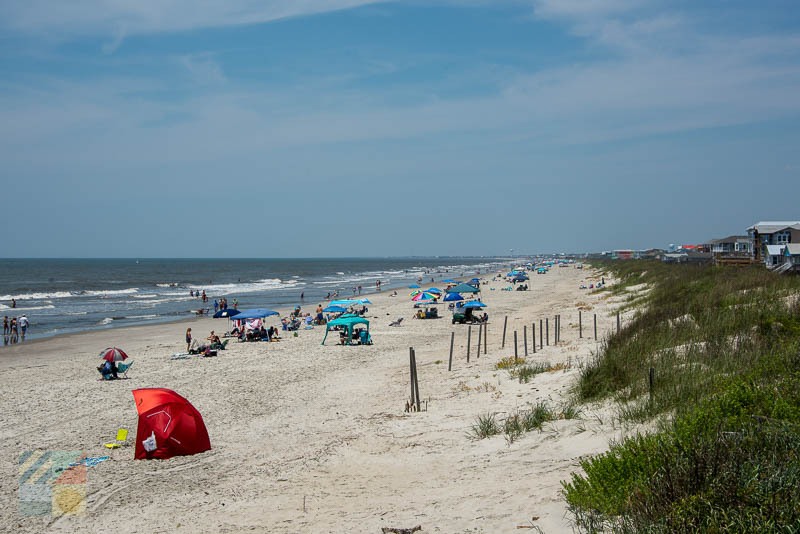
(346, 303)
(474, 304)
(334, 309)
(453, 297)
(464, 288)
(255, 313)
(449, 282)
(348, 322)
(230, 312)
(414, 286)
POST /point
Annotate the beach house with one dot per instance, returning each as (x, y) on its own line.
(765, 233)
(732, 245)
(791, 257)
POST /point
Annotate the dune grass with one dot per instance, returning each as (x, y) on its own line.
(724, 344)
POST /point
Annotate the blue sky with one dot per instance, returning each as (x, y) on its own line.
(450, 127)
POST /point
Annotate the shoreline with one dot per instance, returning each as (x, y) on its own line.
(282, 312)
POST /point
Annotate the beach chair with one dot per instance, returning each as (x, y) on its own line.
(122, 436)
(397, 322)
(122, 369)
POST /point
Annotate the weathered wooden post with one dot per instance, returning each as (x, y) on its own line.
(617, 322)
(595, 327)
(525, 338)
(469, 338)
(516, 355)
(480, 331)
(547, 331)
(416, 380)
(533, 333)
(505, 323)
(541, 335)
(580, 325)
(452, 339)
(485, 338)
(411, 368)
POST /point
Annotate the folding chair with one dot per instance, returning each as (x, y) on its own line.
(122, 436)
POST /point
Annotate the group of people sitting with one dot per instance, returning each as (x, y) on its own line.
(360, 337)
(598, 285)
(255, 334)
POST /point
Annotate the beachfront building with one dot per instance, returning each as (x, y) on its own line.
(732, 245)
(773, 255)
(791, 257)
(765, 233)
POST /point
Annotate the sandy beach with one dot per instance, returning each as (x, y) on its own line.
(312, 438)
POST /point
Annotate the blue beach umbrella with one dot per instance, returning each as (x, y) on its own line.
(453, 297)
(414, 286)
(474, 304)
(334, 309)
(434, 291)
(448, 282)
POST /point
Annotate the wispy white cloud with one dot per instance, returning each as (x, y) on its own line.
(105, 17)
(203, 68)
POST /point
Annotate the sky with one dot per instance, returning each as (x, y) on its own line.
(311, 128)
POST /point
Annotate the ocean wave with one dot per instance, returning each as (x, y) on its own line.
(29, 308)
(173, 284)
(145, 296)
(107, 320)
(108, 292)
(149, 316)
(78, 313)
(38, 296)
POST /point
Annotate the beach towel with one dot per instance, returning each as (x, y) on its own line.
(90, 462)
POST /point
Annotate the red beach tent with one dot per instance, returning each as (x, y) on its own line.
(168, 425)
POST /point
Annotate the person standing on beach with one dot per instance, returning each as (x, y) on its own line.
(302, 295)
(235, 304)
(359, 289)
(216, 305)
(14, 332)
(5, 325)
(23, 324)
(188, 339)
(13, 303)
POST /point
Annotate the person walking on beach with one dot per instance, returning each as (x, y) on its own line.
(205, 298)
(235, 304)
(23, 324)
(188, 339)
(13, 303)
(5, 325)
(216, 305)
(14, 331)
(359, 289)
(302, 295)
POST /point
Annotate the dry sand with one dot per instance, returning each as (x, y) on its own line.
(311, 438)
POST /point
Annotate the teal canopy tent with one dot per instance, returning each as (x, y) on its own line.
(348, 323)
(464, 288)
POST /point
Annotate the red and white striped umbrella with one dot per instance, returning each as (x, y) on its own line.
(113, 354)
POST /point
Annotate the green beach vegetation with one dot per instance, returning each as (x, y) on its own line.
(723, 344)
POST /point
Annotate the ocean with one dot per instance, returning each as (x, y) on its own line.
(74, 295)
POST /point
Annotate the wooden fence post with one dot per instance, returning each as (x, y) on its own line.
(618, 322)
(452, 339)
(580, 325)
(533, 332)
(547, 329)
(595, 327)
(411, 368)
(416, 380)
(485, 338)
(541, 335)
(525, 338)
(469, 338)
(516, 355)
(480, 331)
(505, 323)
